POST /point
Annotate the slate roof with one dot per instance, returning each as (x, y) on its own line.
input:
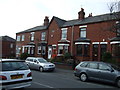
(96, 19)
(93, 19)
(82, 40)
(7, 38)
(70, 23)
(63, 23)
(115, 39)
(34, 29)
(59, 21)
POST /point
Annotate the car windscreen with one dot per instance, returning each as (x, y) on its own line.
(41, 60)
(115, 67)
(13, 66)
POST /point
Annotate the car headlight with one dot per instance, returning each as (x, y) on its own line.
(45, 65)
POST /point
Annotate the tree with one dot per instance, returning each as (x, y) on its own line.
(114, 15)
(115, 28)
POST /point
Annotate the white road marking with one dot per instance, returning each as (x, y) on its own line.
(43, 85)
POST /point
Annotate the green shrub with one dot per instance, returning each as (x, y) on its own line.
(57, 59)
(67, 55)
(107, 57)
(23, 56)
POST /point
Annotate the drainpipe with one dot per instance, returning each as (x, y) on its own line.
(72, 39)
(72, 42)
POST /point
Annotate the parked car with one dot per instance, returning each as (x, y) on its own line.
(40, 64)
(94, 70)
(14, 74)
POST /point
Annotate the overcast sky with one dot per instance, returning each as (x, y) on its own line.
(19, 15)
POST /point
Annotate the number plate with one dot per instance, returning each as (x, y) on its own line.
(16, 76)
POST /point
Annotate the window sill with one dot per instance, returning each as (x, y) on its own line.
(60, 55)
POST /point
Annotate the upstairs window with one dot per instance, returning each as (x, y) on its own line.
(43, 35)
(64, 33)
(18, 38)
(83, 31)
(11, 45)
(23, 37)
(32, 36)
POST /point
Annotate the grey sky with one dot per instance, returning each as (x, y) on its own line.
(19, 15)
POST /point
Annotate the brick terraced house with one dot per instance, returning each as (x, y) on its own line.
(7, 46)
(86, 38)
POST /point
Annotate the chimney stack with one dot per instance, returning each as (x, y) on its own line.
(90, 15)
(46, 21)
(81, 14)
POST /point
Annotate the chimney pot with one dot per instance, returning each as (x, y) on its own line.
(90, 15)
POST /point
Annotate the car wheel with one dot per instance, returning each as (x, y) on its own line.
(118, 83)
(41, 69)
(83, 77)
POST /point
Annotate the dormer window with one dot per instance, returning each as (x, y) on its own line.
(64, 33)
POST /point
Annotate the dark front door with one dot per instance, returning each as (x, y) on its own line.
(95, 52)
(103, 50)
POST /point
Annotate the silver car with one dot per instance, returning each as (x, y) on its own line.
(40, 64)
(14, 74)
(98, 71)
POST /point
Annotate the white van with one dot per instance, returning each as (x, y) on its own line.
(40, 64)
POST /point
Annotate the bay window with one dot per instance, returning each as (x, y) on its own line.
(83, 50)
(39, 49)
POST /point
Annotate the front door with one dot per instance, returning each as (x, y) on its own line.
(95, 52)
(103, 50)
(49, 52)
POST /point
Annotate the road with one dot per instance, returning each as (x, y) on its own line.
(62, 79)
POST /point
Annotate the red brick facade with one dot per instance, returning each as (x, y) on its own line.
(8, 47)
(85, 38)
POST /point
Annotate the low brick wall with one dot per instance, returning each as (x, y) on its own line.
(64, 66)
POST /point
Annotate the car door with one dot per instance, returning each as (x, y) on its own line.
(36, 64)
(31, 63)
(106, 73)
(93, 70)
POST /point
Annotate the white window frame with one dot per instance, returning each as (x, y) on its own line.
(18, 38)
(39, 49)
(64, 33)
(32, 50)
(60, 48)
(11, 45)
(43, 35)
(18, 49)
(23, 37)
(43, 49)
(83, 31)
(32, 36)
